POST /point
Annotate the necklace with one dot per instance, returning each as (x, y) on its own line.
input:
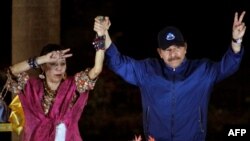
(48, 98)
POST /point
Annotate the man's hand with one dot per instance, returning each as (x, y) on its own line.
(101, 26)
(239, 27)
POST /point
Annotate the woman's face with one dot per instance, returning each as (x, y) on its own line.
(55, 71)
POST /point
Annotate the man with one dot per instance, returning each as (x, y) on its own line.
(175, 90)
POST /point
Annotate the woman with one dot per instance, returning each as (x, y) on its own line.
(53, 103)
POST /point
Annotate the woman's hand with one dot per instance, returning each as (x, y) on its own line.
(101, 25)
(54, 56)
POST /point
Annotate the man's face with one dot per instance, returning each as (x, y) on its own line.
(174, 55)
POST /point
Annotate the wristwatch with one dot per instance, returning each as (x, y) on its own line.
(237, 41)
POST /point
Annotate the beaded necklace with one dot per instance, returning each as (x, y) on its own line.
(48, 98)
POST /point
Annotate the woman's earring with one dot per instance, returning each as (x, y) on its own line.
(64, 76)
(41, 76)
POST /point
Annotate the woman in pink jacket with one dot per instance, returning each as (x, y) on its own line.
(52, 103)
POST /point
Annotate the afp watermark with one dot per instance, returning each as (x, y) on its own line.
(237, 132)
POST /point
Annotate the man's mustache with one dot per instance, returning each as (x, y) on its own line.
(173, 59)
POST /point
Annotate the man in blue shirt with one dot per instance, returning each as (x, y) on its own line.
(174, 90)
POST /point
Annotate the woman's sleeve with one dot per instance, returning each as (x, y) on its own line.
(16, 84)
(83, 82)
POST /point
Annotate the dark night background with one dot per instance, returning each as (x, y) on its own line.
(113, 112)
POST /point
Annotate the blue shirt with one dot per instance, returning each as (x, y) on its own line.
(174, 101)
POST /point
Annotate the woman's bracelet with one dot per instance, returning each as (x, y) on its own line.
(99, 42)
(33, 63)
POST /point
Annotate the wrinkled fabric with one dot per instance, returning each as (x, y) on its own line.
(41, 127)
(16, 116)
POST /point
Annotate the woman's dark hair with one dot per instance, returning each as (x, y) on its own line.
(50, 47)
